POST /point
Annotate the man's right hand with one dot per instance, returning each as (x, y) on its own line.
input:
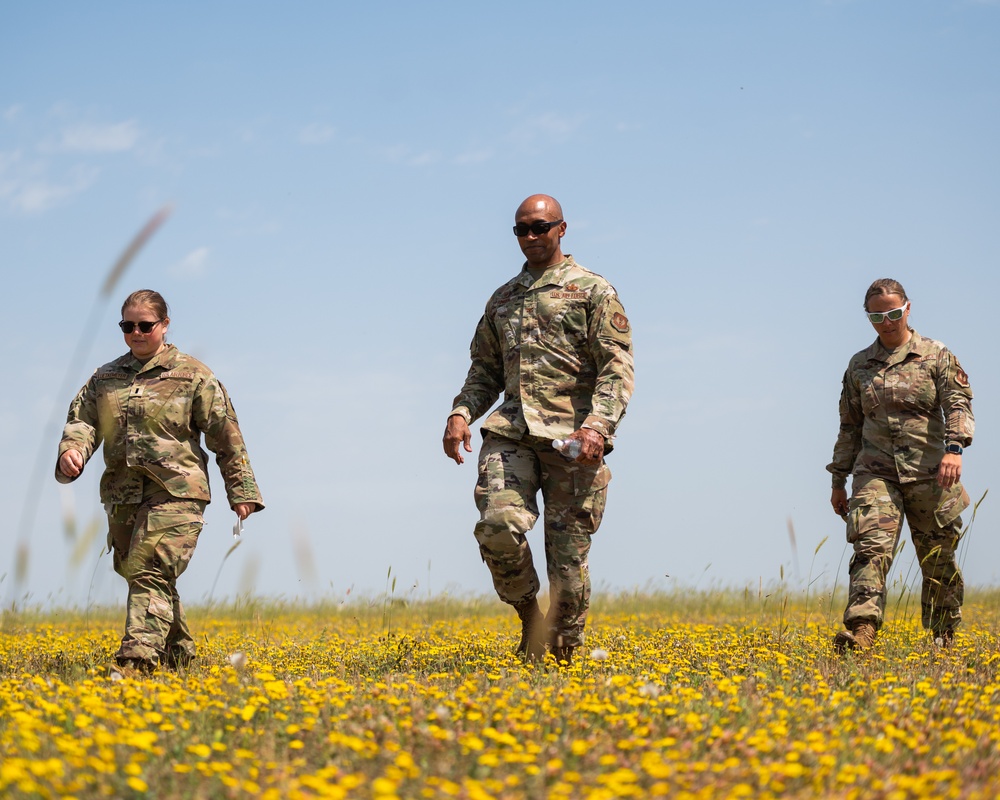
(456, 434)
(838, 499)
(71, 463)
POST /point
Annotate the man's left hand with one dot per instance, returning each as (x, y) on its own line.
(950, 470)
(591, 445)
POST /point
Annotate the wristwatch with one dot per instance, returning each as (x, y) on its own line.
(952, 447)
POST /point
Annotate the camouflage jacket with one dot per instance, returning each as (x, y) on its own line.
(898, 409)
(560, 349)
(150, 418)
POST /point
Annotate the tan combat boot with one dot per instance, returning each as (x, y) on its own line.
(861, 637)
(532, 646)
(563, 653)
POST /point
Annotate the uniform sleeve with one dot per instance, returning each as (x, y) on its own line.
(484, 383)
(955, 396)
(81, 430)
(215, 417)
(848, 445)
(610, 341)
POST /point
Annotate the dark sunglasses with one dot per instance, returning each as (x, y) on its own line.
(144, 327)
(538, 227)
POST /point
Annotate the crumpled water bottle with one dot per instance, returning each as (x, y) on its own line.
(568, 447)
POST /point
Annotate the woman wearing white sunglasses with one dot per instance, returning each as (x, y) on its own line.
(150, 408)
(905, 417)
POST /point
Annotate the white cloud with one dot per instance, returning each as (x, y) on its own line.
(89, 138)
(193, 265)
(317, 133)
(549, 126)
(404, 154)
(11, 113)
(474, 156)
(27, 187)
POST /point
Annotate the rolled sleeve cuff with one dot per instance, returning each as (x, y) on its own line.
(603, 426)
(839, 482)
(463, 412)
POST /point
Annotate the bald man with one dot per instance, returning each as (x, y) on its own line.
(555, 340)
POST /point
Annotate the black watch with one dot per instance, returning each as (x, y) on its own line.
(953, 448)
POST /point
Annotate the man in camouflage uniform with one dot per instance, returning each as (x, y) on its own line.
(555, 340)
(905, 416)
(150, 416)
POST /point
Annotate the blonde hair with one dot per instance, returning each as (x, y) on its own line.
(885, 286)
(147, 297)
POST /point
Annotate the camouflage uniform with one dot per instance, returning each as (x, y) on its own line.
(150, 418)
(560, 348)
(897, 410)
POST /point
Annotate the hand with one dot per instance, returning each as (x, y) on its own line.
(591, 446)
(838, 499)
(71, 463)
(950, 470)
(457, 433)
(244, 510)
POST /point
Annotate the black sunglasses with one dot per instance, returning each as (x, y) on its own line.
(144, 327)
(538, 227)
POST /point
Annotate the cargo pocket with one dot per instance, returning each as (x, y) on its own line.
(161, 608)
(859, 516)
(175, 536)
(587, 480)
(952, 504)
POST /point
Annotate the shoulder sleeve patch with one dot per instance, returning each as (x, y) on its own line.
(961, 378)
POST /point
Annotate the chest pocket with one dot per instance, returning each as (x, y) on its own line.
(562, 319)
(112, 400)
(507, 321)
(871, 387)
(167, 400)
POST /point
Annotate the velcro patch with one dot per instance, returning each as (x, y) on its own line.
(188, 376)
(107, 376)
(620, 322)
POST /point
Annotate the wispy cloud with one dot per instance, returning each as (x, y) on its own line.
(193, 265)
(317, 133)
(548, 127)
(11, 113)
(26, 186)
(90, 138)
(404, 154)
(475, 156)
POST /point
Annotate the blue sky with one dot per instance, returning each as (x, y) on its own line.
(343, 178)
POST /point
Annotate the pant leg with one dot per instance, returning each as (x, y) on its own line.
(574, 495)
(936, 527)
(164, 535)
(874, 522)
(506, 498)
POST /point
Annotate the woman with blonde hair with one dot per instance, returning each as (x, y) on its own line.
(150, 408)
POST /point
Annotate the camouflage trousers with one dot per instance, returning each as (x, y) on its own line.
(874, 523)
(152, 543)
(511, 473)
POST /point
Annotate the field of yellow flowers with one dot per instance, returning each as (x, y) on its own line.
(712, 694)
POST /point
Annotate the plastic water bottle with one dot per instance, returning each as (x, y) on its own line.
(568, 447)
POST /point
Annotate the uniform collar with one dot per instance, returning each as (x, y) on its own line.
(557, 274)
(167, 357)
(917, 345)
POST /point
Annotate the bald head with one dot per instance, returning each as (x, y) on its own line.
(540, 206)
(540, 243)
